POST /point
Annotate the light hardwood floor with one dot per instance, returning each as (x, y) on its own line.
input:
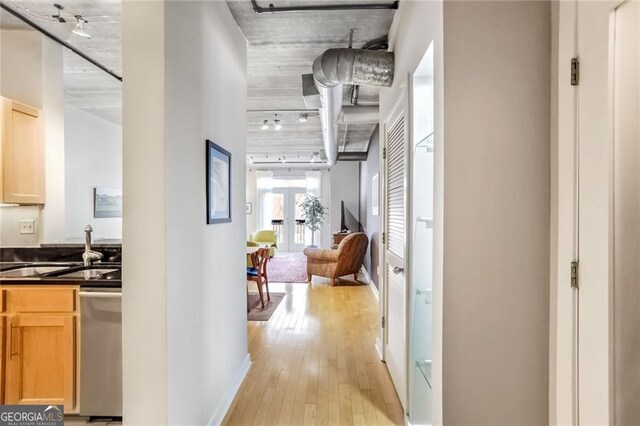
(314, 362)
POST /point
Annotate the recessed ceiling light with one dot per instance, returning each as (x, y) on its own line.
(303, 118)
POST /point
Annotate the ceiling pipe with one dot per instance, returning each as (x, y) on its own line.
(59, 40)
(353, 156)
(336, 67)
(360, 114)
(307, 8)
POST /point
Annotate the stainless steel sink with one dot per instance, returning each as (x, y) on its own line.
(88, 274)
(30, 271)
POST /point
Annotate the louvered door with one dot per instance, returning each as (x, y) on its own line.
(395, 167)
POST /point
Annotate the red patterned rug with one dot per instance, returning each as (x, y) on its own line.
(287, 268)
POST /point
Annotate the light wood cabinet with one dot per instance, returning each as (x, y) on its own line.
(40, 346)
(22, 169)
(2, 320)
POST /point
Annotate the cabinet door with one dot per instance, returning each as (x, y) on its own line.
(23, 169)
(40, 360)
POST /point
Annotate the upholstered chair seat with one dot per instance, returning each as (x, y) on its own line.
(337, 262)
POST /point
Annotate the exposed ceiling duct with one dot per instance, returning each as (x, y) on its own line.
(336, 67)
(322, 7)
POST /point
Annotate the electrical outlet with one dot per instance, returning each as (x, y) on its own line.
(27, 226)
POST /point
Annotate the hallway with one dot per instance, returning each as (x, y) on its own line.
(315, 362)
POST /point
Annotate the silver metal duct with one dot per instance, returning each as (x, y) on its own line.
(336, 67)
(360, 114)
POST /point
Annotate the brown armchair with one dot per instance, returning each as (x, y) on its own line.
(333, 263)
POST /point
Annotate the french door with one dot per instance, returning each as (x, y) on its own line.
(598, 320)
(395, 246)
(287, 220)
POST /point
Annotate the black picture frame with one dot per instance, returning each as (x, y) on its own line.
(218, 184)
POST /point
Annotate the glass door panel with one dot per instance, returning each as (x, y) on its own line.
(278, 203)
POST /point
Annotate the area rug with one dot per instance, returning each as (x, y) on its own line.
(259, 314)
(287, 268)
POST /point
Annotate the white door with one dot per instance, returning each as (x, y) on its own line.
(287, 220)
(280, 201)
(295, 222)
(599, 227)
(394, 243)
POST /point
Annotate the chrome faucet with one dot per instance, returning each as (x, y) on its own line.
(89, 255)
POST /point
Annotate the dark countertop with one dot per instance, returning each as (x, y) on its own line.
(79, 243)
(113, 279)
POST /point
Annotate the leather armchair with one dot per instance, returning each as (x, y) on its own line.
(266, 236)
(333, 263)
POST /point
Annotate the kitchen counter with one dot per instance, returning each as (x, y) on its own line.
(79, 243)
(111, 279)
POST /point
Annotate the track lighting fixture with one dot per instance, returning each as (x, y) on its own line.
(57, 16)
(303, 118)
(251, 159)
(80, 21)
(277, 122)
(265, 124)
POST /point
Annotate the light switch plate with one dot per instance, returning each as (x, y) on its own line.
(27, 226)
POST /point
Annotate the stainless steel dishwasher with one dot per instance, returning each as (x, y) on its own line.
(101, 352)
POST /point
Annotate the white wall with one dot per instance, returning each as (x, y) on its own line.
(491, 296)
(10, 216)
(497, 200)
(31, 73)
(93, 157)
(252, 197)
(54, 132)
(345, 186)
(184, 319)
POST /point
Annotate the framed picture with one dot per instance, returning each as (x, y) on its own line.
(107, 202)
(249, 208)
(218, 184)
(375, 195)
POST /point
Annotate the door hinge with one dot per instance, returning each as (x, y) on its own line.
(384, 153)
(575, 71)
(384, 235)
(384, 323)
(574, 275)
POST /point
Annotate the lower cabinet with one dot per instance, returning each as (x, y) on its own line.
(40, 355)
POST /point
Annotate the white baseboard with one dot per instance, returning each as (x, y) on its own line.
(222, 409)
(372, 286)
(378, 346)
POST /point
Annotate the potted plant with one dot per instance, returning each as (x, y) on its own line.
(313, 213)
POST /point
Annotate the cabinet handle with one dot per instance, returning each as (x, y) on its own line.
(12, 345)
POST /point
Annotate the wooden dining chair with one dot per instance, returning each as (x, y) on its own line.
(258, 273)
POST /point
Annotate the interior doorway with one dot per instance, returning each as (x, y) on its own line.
(287, 219)
(421, 242)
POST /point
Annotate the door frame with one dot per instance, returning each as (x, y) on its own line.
(402, 101)
(581, 362)
(288, 244)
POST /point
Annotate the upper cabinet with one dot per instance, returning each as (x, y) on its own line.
(22, 169)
